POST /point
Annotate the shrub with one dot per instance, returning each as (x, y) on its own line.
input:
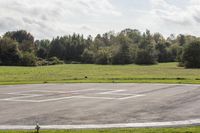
(42, 62)
(121, 56)
(28, 59)
(87, 56)
(54, 61)
(102, 57)
(9, 52)
(145, 57)
(191, 55)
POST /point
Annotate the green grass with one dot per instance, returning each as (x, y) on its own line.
(75, 73)
(141, 130)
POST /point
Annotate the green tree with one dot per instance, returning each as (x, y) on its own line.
(121, 54)
(28, 59)
(88, 56)
(163, 52)
(181, 39)
(103, 56)
(146, 53)
(191, 55)
(57, 48)
(25, 40)
(9, 52)
(42, 48)
(20, 36)
(145, 57)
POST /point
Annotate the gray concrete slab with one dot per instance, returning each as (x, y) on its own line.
(80, 104)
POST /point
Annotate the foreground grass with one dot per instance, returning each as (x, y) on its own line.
(141, 130)
(78, 73)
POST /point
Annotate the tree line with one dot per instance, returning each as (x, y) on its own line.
(19, 48)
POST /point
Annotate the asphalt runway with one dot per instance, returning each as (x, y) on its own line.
(99, 104)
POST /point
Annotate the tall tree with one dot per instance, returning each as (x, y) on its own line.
(191, 55)
(9, 52)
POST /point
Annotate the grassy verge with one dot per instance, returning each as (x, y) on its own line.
(162, 73)
(141, 130)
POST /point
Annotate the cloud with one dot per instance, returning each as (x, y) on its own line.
(171, 13)
(177, 15)
(173, 18)
(48, 18)
(195, 10)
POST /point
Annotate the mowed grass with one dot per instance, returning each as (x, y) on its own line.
(141, 130)
(80, 73)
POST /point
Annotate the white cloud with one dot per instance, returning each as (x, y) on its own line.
(48, 18)
(171, 13)
(187, 15)
(177, 19)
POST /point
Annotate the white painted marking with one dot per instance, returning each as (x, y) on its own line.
(20, 92)
(49, 91)
(112, 92)
(20, 97)
(37, 101)
(134, 96)
(14, 94)
(56, 99)
(89, 97)
(81, 90)
(100, 126)
(18, 100)
(24, 94)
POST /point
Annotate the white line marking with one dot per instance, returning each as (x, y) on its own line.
(90, 97)
(56, 99)
(14, 94)
(20, 92)
(18, 100)
(37, 101)
(100, 126)
(111, 92)
(28, 91)
(134, 96)
(24, 94)
(20, 97)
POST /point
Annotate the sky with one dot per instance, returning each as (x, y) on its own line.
(46, 19)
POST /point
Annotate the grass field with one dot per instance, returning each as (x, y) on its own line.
(142, 130)
(78, 73)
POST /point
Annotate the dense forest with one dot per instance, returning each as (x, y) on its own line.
(19, 48)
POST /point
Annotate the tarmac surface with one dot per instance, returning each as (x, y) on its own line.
(82, 104)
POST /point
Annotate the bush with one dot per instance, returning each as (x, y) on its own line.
(164, 53)
(87, 56)
(102, 57)
(175, 51)
(145, 57)
(42, 62)
(121, 56)
(9, 52)
(54, 61)
(75, 62)
(28, 59)
(191, 55)
(51, 61)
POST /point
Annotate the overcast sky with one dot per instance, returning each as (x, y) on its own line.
(49, 18)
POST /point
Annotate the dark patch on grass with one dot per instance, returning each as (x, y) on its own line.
(180, 78)
(147, 79)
